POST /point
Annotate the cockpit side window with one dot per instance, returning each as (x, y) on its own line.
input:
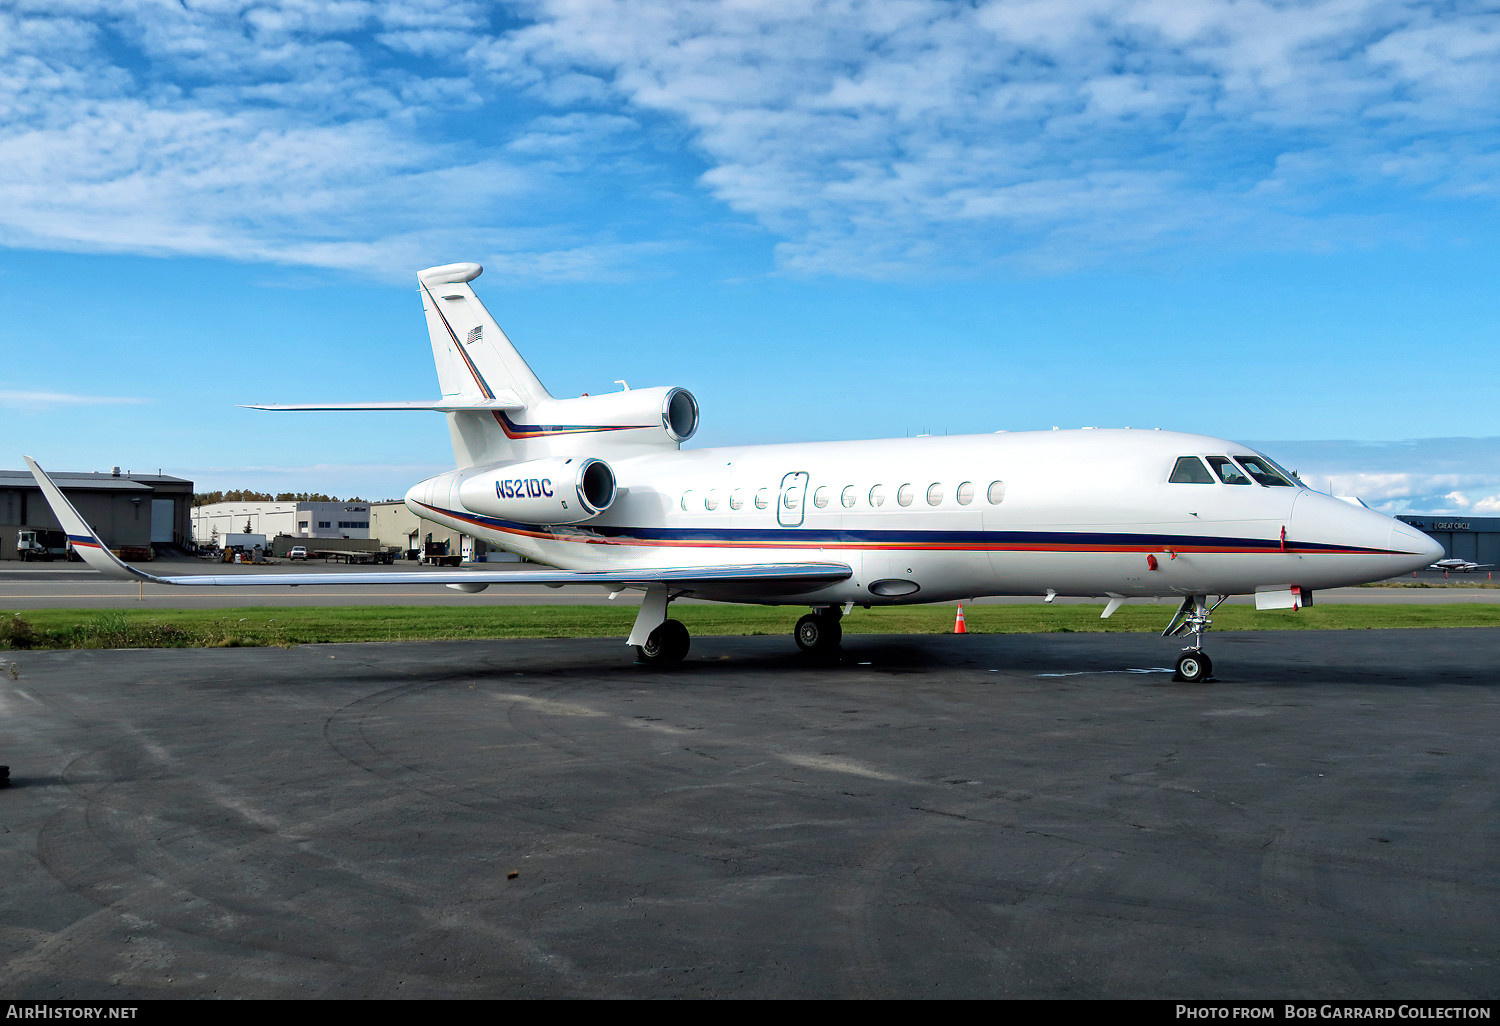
(1264, 471)
(1190, 470)
(1227, 471)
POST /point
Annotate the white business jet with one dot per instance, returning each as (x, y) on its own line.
(599, 488)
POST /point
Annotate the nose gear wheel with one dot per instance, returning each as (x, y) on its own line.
(1193, 617)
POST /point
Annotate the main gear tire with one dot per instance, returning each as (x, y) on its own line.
(666, 645)
(818, 632)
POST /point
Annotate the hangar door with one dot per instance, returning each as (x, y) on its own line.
(163, 519)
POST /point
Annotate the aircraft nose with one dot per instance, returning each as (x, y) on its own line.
(1425, 549)
(1391, 547)
(1324, 520)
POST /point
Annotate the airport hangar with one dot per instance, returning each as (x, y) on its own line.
(1476, 539)
(134, 513)
(138, 513)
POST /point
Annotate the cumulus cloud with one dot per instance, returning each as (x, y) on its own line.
(886, 135)
(1426, 475)
(289, 131)
(866, 137)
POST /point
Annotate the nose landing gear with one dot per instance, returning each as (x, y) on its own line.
(1193, 666)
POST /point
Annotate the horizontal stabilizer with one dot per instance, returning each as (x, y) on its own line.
(452, 404)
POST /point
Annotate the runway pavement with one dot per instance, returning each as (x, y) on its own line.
(936, 816)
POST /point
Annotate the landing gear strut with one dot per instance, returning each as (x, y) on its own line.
(819, 631)
(1193, 666)
(657, 640)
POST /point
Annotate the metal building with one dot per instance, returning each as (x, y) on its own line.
(133, 513)
(396, 525)
(1476, 539)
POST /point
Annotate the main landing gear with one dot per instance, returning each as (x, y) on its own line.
(668, 643)
(819, 632)
(1193, 666)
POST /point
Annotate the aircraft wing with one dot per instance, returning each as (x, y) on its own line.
(96, 555)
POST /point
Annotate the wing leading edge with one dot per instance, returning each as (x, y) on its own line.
(96, 555)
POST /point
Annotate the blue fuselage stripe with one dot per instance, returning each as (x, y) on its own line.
(802, 537)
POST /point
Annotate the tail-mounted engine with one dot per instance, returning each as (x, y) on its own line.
(665, 415)
(549, 491)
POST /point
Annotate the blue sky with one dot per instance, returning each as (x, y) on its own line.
(1274, 222)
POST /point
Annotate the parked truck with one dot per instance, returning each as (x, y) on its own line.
(436, 554)
(41, 544)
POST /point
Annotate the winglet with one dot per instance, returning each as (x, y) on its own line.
(85, 542)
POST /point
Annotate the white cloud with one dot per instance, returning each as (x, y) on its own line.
(871, 137)
(50, 400)
(1425, 475)
(279, 132)
(863, 131)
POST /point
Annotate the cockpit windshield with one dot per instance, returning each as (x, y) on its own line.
(1264, 471)
(1288, 474)
(1227, 470)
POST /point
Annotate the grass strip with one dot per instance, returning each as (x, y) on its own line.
(264, 625)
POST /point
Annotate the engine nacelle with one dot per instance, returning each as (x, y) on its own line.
(659, 415)
(550, 491)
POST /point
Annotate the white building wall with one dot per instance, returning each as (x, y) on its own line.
(267, 518)
(332, 520)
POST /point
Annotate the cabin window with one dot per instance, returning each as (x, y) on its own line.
(847, 497)
(1227, 471)
(995, 493)
(934, 494)
(905, 494)
(737, 499)
(687, 497)
(1190, 470)
(965, 493)
(1264, 471)
(820, 497)
(877, 496)
(711, 500)
(763, 498)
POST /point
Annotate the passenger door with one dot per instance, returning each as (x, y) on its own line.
(792, 500)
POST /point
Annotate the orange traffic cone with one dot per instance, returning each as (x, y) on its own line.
(959, 627)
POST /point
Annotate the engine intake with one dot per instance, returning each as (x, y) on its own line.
(550, 491)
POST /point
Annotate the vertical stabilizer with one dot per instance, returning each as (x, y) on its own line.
(474, 357)
(475, 360)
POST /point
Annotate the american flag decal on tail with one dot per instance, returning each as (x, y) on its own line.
(475, 335)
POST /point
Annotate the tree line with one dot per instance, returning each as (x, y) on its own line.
(246, 495)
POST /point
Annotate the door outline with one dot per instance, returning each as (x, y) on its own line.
(788, 515)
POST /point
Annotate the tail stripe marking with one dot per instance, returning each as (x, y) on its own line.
(484, 387)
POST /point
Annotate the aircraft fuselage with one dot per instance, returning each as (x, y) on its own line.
(1085, 512)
